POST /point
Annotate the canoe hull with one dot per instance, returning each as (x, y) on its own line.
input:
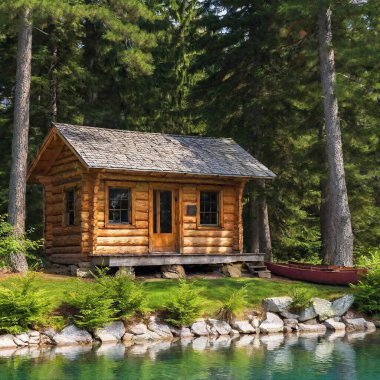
(315, 274)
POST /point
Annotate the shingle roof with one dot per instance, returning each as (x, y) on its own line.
(157, 152)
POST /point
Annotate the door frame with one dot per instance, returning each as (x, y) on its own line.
(175, 213)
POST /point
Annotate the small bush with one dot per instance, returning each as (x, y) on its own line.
(184, 305)
(369, 259)
(233, 305)
(93, 308)
(127, 295)
(367, 294)
(22, 306)
(301, 298)
(9, 243)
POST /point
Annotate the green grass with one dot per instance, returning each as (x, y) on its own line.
(213, 290)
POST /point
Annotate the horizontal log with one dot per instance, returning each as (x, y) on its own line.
(122, 241)
(121, 250)
(208, 233)
(206, 250)
(63, 250)
(141, 215)
(189, 226)
(142, 195)
(207, 242)
(228, 209)
(228, 217)
(107, 232)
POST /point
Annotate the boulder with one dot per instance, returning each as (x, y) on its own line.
(255, 322)
(277, 304)
(21, 339)
(185, 333)
(113, 332)
(333, 325)
(343, 304)
(232, 270)
(138, 329)
(370, 326)
(72, 335)
(272, 324)
(244, 327)
(126, 271)
(292, 323)
(73, 269)
(307, 314)
(288, 315)
(45, 340)
(311, 322)
(142, 338)
(234, 333)
(318, 328)
(173, 271)
(34, 337)
(354, 324)
(200, 328)
(161, 329)
(7, 341)
(84, 273)
(220, 327)
(323, 308)
(127, 337)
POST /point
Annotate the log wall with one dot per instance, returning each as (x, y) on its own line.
(92, 235)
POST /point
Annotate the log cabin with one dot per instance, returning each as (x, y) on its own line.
(124, 198)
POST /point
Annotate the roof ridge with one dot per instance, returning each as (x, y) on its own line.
(143, 132)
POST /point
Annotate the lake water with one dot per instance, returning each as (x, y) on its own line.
(273, 357)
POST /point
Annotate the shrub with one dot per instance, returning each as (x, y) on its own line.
(367, 295)
(184, 305)
(92, 307)
(127, 295)
(369, 259)
(301, 298)
(22, 306)
(233, 305)
(10, 243)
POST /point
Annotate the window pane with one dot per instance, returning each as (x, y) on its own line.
(70, 207)
(165, 211)
(209, 208)
(119, 205)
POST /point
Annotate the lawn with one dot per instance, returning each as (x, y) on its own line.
(213, 290)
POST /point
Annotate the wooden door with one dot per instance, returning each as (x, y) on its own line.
(163, 219)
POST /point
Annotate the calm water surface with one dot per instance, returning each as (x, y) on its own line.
(311, 357)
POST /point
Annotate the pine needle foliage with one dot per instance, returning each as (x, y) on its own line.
(22, 305)
(301, 298)
(367, 295)
(126, 294)
(184, 305)
(235, 304)
(93, 308)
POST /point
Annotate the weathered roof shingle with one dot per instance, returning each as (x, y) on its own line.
(157, 152)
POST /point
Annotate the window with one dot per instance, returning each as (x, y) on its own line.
(70, 207)
(119, 206)
(209, 208)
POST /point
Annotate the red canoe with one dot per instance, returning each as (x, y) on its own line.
(321, 274)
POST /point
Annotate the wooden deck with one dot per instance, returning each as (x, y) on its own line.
(172, 258)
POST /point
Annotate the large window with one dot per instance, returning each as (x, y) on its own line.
(119, 206)
(209, 208)
(70, 207)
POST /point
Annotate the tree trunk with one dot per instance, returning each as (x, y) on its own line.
(53, 80)
(324, 209)
(254, 241)
(17, 182)
(265, 238)
(340, 237)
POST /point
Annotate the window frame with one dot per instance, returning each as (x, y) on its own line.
(120, 185)
(66, 223)
(216, 189)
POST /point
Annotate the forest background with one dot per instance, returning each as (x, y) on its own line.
(242, 69)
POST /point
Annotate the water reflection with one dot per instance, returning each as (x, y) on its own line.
(277, 356)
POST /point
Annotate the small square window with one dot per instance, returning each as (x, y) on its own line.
(70, 207)
(119, 206)
(209, 208)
